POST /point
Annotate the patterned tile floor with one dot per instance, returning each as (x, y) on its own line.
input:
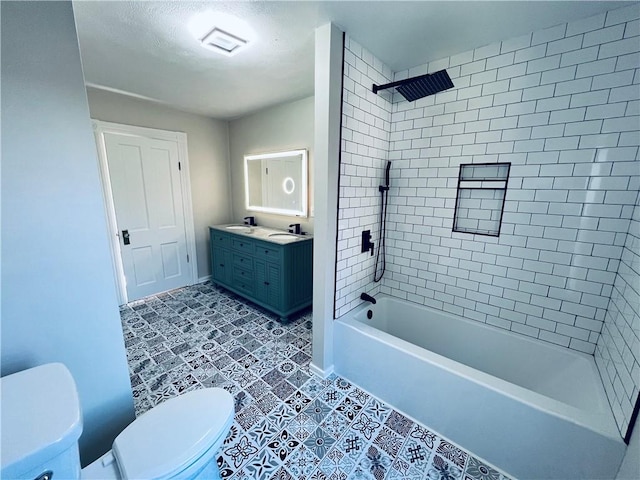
(289, 423)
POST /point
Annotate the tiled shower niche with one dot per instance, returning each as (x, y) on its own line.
(480, 199)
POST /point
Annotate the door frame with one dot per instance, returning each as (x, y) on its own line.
(100, 128)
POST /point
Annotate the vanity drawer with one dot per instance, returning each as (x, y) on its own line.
(242, 245)
(240, 274)
(241, 282)
(244, 262)
(267, 252)
(219, 239)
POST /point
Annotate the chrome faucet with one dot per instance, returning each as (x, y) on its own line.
(251, 221)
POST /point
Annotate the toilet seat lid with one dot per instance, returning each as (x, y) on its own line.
(171, 436)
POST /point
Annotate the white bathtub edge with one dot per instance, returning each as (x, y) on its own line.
(604, 422)
(568, 450)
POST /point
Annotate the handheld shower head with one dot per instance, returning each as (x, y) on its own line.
(386, 175)
(385, 187)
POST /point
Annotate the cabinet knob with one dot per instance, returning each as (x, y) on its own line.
(266, 283)
(222, 264)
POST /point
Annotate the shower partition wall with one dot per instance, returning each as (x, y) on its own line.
(560, 105)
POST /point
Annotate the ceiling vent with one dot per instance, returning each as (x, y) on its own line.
(223, 42)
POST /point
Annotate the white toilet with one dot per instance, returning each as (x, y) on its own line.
(41, 424)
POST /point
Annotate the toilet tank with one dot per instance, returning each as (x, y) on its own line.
(41, 424)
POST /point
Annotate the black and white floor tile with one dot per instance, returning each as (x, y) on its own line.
(289, 423)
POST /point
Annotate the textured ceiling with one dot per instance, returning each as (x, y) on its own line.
(145, 49)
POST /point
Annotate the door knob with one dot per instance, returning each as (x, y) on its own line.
(125, 237)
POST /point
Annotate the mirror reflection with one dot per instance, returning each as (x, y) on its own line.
(277, 182)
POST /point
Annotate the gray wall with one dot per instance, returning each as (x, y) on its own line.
(58, 293)
(285, 127)
(208, 148)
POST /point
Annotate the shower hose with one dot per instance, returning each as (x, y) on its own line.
(384, 197)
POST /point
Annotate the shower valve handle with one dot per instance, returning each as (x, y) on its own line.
(367, 244)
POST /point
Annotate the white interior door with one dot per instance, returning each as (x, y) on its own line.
(144, 176)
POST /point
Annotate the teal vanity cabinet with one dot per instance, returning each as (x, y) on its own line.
(221, 267)
(275, 274)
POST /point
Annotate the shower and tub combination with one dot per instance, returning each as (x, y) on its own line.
(531, 408)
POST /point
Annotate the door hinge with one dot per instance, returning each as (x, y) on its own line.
(179, 166)
(187, 258)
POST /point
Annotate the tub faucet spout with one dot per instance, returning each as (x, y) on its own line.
(367, 298)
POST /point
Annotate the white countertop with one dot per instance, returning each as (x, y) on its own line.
(268, 234)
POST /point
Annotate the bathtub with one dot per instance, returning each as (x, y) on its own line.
(532, 409)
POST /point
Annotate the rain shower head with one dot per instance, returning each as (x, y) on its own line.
(425, 85)
(421, 86)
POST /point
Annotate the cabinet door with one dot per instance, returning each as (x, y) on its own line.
(221, 265)
(219, 239)
(268, 283)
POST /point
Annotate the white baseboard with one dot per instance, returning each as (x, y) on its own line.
(320, 372)
(204, 279)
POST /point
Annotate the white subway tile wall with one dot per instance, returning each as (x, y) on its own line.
(561, 105)
(366, 130)
(618, 348)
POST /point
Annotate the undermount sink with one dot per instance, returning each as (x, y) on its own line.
(240, 228)
(284, 236)
(264, 233)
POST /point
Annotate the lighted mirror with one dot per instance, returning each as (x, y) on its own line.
(277, 182)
